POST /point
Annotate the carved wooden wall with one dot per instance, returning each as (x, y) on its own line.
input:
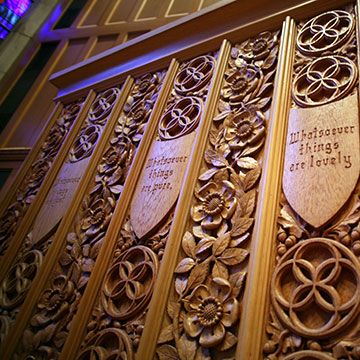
(208, 209)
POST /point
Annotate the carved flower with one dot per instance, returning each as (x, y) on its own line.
(242, 82)
(217, 202)
(145, 84)
(97, 216)
(259, 47)
(244, 127)
(54, 301)
(38, 171)
(210, 310)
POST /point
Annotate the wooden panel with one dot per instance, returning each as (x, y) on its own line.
(152, 9)
(123, 10)
(180, 7)
(104, 43)
(97, 12)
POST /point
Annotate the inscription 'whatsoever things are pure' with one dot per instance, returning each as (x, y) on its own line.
(320, 147)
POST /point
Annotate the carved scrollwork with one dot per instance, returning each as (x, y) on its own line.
(309, 355)
(181, 118)
(103, 105)
(324, 80)
(309, 280)
(325, 32)
(108, 344)
(129, 282)
(195, 75)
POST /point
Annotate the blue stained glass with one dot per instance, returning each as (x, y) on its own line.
(10, 12)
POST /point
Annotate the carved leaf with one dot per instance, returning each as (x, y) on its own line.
(228, 342)
(220, 270)
(187, 348)
(184, 265)
(250, 150)
(75, 250)
(288, 221)
(65, 259)
(198, 274)
(202, 354)
(208, 174)
(240, 240)
(247, 163)
(247, 203)
(213, 135)
(180, 284)
(166, 334)
(28, 341)
(171, 309)
(75, 272)
(214, 158)
(251, 178)
(222, 115)
(166, 352)
(202, 246)
(223, 106)
(72, 238)
(241, 226)
(233, 256)
(264, 102)
(237, 281)
(188, 244)
(220, 244)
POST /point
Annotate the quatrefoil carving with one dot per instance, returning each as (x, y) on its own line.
(315, 288)
(325, 32)
(324, 80)
(103, 105)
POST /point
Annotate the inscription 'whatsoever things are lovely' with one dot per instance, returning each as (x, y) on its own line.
(320, 147)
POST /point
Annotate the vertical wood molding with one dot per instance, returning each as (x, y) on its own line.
(256, 299)
(30, 159)
(45, 188)
(159, 299)
(105, 256)
(59, 241)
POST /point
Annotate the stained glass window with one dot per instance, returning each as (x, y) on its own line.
(10, 12)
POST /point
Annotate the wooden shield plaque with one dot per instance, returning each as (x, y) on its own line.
(59, 198)
(321, 166)
(160, 182)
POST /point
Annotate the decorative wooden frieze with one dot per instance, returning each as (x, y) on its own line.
(314, 311)
(32, 181)
(124, 298)
(58, 303)
(203, 309)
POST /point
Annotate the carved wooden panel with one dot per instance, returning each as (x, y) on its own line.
(314, 311)
(203, 309)
(30, 186)
(119, 314)
(51, 321)
(22, 272)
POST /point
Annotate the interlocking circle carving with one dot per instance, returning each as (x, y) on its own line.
(181, 119)
(103, 105)
(325, 32)
(108, 344)
(84, 145)
(309, 355)
(315, 288)
(19, 279)
(195, 75)
(129, 283)
(324, 80)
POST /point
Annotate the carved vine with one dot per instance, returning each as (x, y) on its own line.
(315, 285)
(204, 309)
(50, 324)
(30, 186)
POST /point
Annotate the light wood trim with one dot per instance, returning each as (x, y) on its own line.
(30, 159)
(45, 188)
(158, 302)
(252, 326)
(31, 95)
(59, 241)
(106, 253)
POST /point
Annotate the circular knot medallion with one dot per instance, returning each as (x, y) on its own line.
(324, 80)
(103, 105)
(194, 75)
(315, 288)
(325, 32)
(129, 282)
(181, 119)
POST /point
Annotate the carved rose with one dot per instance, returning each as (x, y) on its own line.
(259, 47)
(146, 84)
(242, 82)
(54, 301)
(217, 202)
(244, 127)
(97, 216)
(38, 172)
(210, 310)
